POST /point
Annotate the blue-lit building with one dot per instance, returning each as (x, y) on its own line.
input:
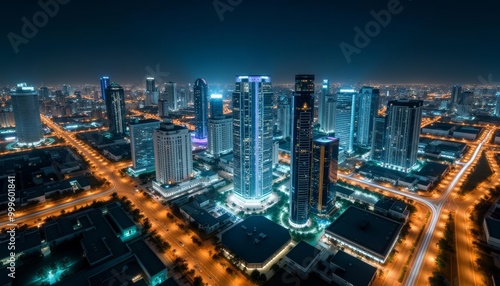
(377, 149)
(141, 145)
(216, 105)
(253, 137)
(497, 104)
(200, 90)
(402, 134)
(345, 115)
(367, 110)
(115, 109)
(104, 84)
(283, 118)
(325, 161)
(301, 149)
(27, 115)
(326, 109)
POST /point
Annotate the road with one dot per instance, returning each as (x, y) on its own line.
(212, 273)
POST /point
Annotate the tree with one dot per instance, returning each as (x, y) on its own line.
(198, 281)
(255, 275)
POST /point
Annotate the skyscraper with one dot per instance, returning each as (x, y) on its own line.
(26, 115)
(377, 150)
(464, 103)
(170, 95)
(141, 145)
(173, 154)
(345, 114)
(326, 109)
(402, 133)
(252, 137)
(150, 84)
(456, 91)
(367, 110)
(300, 163)
(152, 94)
(216, 105)
(115, 109)
(324, 174)
(283, 121)
(220, 139)
(497, 105)
(104, 85)
(200, 90)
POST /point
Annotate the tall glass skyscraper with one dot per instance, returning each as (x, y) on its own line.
(300, 164)
(141, 145)
(200, 90)
(497, 104)
(220, 139)
(377, 150)
(115, 109)
(170, 95)
(252, 137)
(104, 85)
(326, 109)
(216, 105)
(402, 133)
(152, 94)
(325, 161)
(27, 115)
(284, 117)
(456, 92)
(367, 110)
(345, 115)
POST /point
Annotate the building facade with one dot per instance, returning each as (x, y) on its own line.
(220, 139)
(252, 137)
(115, 109)
(367, 110)
(326, 109)
(141, 145)
(104, 84)
(200, 90)
(402, 134)
(300, 163)
(324, 174)
(216, 105)
(345, 114)
(26, 110)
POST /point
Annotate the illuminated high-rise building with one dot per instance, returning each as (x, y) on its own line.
(367, 110)
(497, 105)
(104, 85)
(252, 137)
(326, 109)
(216, 105)
(152, 93)
(402, 133)
(220, 139)
(26, 110)
(325, 161)
(345, 115)
(283, 119)
(301, 149)
(456, 92)
(200, 90)
(170, 95)
(115, 109)
(377, 149)
(173, 154)
(141, 145)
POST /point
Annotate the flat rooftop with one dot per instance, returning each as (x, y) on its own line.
(152, 264)
(303, 254)
(440, 126)
(120, 217)
(433, 169)
(255, 239)
(353, 270)
(368, 230)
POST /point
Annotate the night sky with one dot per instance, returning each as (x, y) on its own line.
(426, 42)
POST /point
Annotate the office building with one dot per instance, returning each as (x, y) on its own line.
(26, 110)
(283, 120)
(497, 105)
(377, 149)
(173, 154)
(402, 134)
(345, 114)
(141, 145)
(104, 85)
(324, 174)
(367, 111)
(220, 139)
(300, 163)
(464, 104)
(115, 109)
(252, 137)
(152, 93)
(326, 109)
(456, 92)
(216, 105)
(163, 109)
(170, 95)
(200, 90)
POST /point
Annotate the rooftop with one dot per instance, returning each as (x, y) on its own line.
(353, 270)
(255, 239)
(151, 263)
(433, 169)
(120, 217)
(369, 230)
(303, 254)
